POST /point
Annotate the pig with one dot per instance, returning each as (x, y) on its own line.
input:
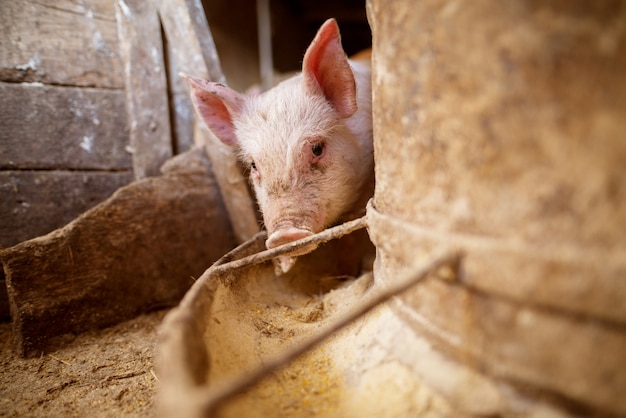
(307, 141)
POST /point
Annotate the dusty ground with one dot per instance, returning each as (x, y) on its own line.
(106, 373)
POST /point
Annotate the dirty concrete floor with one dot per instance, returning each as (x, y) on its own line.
(105, 373)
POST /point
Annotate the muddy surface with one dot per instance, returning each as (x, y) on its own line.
(105, 373)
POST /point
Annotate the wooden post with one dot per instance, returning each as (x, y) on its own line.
(186, 27)
(146, 85)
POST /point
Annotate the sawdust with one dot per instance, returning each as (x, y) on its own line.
(260, 317)
(278, 314)
(106, 373)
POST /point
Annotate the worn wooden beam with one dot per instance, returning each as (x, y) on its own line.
(181, 108)
(187, 30)
(52, 127)
(137, 251)
(185, 24)
(36, 202)
(5, 311)
(146, 85)
(62, 42)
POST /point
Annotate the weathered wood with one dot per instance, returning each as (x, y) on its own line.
(5, 311)
(36, 202)
(181, 107)
(48, 127)
(235, 38)
(136, 251)
(185, 24)
(146, 86)
(60, 42)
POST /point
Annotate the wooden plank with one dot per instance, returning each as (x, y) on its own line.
(146, 86)
(181, 107)
(235, 38)
(60, 42)
(36, 202)
(5, 312)
(185, 24)
(49, 127)
(136, 251)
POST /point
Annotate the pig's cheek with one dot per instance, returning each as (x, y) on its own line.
(255, 181)
(261, 198)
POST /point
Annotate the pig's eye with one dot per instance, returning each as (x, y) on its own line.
(252, 165)
(317, 149)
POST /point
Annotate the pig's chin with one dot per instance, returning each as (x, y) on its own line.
(283, 264)
(286, 235)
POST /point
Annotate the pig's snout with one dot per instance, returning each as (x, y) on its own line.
(283, 236)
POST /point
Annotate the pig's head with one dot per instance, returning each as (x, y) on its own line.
(307, 142)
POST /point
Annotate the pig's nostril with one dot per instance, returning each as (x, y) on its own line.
(286, 235)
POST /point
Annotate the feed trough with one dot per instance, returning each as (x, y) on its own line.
(245, 342)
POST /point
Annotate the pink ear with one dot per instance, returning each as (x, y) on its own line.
(326, 70)
(216, 104)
